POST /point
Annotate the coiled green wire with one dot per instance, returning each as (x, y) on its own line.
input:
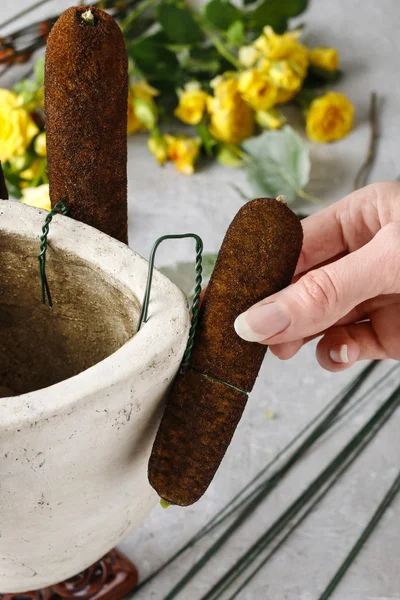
(60, 207)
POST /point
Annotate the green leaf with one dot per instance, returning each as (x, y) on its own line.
(153, 59)
(13, 181)
(146, 112)
(247, 2)
(235, 33)
(179, 24)
(294, 8)
(202, 60)
(320, 78)
(221, 14)
(270, 12)
(207, 139)
(38, 70)
(276, 13)
(279, 163)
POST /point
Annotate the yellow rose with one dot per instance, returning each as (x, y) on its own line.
(40, 144)
(231, 118)
(183, 151)
(248, 56)
(192, 105)
(324, 58)
(37, 196)
(286, 76)
(16, 126)
(141, 89)
(158, 146)
(141, 94)
(329, 117)
(270, 119)
(284, 47)
(258, 89)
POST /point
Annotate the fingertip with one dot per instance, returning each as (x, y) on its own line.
(337, 354)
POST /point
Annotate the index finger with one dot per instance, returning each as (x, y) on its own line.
(339, 228)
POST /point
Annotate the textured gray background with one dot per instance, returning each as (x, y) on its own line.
(366, 32)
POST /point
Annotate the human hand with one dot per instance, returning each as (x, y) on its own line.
(346, 287)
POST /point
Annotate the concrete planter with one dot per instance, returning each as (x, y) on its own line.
(82, 395)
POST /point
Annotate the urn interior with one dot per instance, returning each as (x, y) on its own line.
(92, 316)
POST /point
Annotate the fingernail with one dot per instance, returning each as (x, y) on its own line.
(262, 322)
(339, 354)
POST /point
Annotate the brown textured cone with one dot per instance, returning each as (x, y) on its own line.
(3, 186)
(86, 95)
(258, 258)
(194, 434)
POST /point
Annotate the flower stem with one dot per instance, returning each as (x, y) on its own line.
(127, 22)
(365, 169)
(216, 41)
(302, 194)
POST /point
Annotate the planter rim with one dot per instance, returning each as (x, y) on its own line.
(168, 312)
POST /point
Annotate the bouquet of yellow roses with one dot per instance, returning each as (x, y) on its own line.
(223, 74)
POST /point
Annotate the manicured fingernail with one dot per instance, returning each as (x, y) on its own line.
(262, 322)
(339, 354)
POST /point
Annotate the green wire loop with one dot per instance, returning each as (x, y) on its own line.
(143, 318)
(60, 207)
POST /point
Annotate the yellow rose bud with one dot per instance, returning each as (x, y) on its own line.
(141, 89)
(183, 151)
(329, 117)
(285, 76)
(231, 118)
(19, 163)
(37, 196)
(230, 155)
(270, 119)
(324, 58)
(16, 126)
(192, 105)
(35, 170)
(258, 89)
(285, 47)
(40, 144)
(248, 55)
(158, 146)
(141, 105)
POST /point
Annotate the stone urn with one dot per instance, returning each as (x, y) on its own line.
(81, 395)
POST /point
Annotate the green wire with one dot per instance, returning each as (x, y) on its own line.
(60, 207)
(197, 291)
(225, 512)
(376, 517)
(363, 437)
(301, 519)
(263, 489)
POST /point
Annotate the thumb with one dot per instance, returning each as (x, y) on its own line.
(323, 296)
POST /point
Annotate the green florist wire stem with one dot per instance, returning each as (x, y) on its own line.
(197, 291)
(60, 207)
(253, 499)
(354, 447)
(243, 499)
(376, 517)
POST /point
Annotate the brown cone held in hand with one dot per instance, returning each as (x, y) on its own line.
(258, 258)
(3, 185)
(86, 98)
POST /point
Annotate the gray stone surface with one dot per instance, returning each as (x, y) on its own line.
(366, 32)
